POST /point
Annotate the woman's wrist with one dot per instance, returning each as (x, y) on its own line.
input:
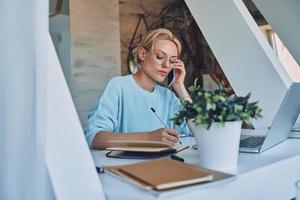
(186, 98)
(182, 92)
(180, 89)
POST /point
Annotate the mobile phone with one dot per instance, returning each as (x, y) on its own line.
(171, 76)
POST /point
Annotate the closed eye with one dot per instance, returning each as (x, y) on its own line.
(160, 57)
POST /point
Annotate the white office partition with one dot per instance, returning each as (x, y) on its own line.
(23, 60)
(68, 158)
(43, 153)
(243, 53)
(284, 17)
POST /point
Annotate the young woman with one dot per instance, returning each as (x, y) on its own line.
(123, 112)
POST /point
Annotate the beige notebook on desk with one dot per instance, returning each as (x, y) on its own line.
(161, 174)
(144, 146)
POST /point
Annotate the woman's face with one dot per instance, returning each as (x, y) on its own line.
(158, 60)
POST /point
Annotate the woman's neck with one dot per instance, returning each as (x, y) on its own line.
(144, 81)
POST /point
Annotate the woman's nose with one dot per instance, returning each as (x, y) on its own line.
(166, 64)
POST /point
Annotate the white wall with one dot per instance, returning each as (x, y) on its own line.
(59, 27)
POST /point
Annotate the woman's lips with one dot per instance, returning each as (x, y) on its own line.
(164, 73)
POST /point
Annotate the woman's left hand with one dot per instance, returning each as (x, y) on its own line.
(179, 74)
(178, 81)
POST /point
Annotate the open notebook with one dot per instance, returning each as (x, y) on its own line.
(161, 174)
(144, 146)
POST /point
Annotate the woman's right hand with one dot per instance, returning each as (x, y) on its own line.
(164, 135)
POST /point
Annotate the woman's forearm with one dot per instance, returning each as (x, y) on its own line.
(182, 93)
(167, 135)
(102, 138)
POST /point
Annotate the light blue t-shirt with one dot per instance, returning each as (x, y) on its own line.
(126, 107)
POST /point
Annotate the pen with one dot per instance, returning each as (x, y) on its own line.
(162, 121)
(174, 157)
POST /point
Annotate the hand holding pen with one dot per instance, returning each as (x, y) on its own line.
(167, 133)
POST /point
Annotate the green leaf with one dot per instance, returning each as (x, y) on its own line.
(237, 108)
(248, 96)
(217, 106)
(210, 106)
(230, 117)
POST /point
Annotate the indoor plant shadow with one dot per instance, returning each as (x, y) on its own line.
(215, 119)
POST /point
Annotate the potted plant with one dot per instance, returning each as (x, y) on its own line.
(215, 119)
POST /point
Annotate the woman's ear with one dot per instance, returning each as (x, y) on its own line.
(142, 54)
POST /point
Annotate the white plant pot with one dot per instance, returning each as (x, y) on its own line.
(218, 147)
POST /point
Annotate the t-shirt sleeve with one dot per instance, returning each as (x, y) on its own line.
(104, 114)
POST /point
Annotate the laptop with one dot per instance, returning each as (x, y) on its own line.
(256, 141)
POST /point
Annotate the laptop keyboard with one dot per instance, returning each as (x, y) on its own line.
(252, 141)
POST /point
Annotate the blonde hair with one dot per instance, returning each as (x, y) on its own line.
(149, 40)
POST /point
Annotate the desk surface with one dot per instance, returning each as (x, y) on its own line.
(269, 175)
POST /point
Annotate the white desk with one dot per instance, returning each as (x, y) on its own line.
(269, 175)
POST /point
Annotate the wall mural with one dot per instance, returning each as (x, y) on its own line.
(196, 53)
